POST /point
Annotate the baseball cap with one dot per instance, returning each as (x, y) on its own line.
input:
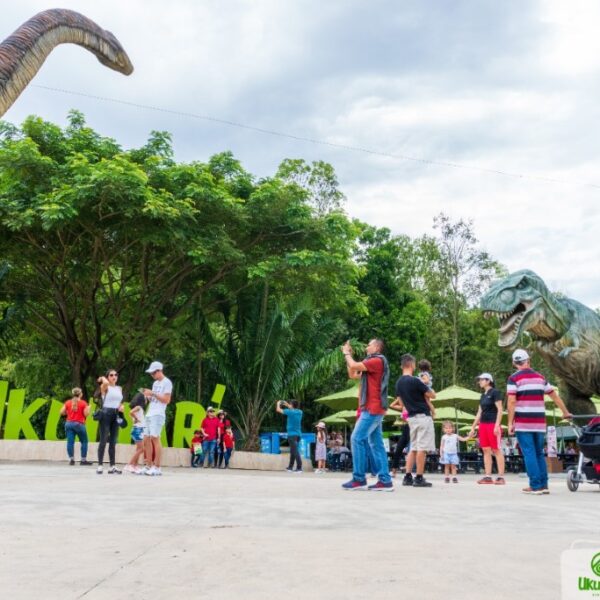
(486, 376)
(520, 355)
(210, 409)
(154, 366)
(320, 425)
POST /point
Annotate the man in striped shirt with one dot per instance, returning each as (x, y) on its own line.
(527, 418)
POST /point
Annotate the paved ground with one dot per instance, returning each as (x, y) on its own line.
(68, 533)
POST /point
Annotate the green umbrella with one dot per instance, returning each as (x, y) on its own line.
(334, 420)
(457, 397)
(341, 401)
(342, 415)
(345, 400)
(446, 413)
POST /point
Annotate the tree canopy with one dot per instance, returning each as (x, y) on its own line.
(113, 257)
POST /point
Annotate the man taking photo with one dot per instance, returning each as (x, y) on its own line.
(374, 374)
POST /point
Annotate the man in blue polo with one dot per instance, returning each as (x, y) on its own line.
(374, 374)
(294, 431)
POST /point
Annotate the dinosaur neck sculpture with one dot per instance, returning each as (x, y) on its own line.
(566, 333)
(23, 53)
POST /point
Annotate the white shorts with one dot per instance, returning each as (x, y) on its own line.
(422, 433)
(154, 425)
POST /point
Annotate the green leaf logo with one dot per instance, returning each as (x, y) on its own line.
(595, 564)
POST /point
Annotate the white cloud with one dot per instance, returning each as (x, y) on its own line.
(505, 86)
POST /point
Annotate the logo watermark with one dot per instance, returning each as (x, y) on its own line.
(580, 571)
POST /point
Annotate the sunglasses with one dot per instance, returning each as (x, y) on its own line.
(113, 374)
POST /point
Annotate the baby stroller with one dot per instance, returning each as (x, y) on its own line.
(588, 466)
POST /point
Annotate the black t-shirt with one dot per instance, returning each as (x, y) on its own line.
(411, 391)
(488, 400)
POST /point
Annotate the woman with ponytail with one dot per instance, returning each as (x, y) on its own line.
(76, 409)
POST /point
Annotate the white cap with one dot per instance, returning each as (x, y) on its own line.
(486, 376)
(155, 366)
(321, 425)
(520, 355)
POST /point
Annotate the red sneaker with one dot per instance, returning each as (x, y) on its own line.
(486, 481)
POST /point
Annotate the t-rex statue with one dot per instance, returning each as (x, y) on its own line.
(23, 53)
(566, 333)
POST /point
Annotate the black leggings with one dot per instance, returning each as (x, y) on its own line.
(402, 443)
(109, 430)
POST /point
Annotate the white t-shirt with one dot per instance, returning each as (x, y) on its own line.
(137, 417)
(450, 443)
(164, 386)
(113, 397)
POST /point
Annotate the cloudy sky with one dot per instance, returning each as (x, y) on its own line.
(511, 86)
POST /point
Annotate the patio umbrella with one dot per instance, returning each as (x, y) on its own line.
(341, 401)
(334, 420)
(457, 397)
(342, 415)
(345, 400)
(447, 413)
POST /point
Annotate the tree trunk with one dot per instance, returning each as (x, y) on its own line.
(252, 432)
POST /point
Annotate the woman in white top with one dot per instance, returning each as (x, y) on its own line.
(112, 405)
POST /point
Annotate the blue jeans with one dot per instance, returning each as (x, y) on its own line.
(532, 447)
(368, 434)
(208, 449)
(72, 429)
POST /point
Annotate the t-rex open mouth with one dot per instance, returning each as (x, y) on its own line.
(510, 323)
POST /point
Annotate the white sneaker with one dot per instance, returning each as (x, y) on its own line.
(147, 470)
(99, 470)
(157, 471)
(138, 471)
(128, 469)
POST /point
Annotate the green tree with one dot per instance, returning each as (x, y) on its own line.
(113, 250)
(394, 310)
(455, 271)
(317, 179)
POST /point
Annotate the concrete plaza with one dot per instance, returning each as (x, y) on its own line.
(68, 533)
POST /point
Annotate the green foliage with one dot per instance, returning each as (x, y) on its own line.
(266, 352)
(113, 257)
(318, 182)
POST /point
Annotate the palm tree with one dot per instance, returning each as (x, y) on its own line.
(265, 351)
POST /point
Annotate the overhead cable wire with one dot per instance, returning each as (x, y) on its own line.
(316, 141)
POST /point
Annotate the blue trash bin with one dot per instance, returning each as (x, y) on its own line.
(266, 445)
(306, 439)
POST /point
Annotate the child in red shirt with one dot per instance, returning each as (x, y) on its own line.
(228, 445)
(196, 448)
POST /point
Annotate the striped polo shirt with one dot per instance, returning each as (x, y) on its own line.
(529, 387)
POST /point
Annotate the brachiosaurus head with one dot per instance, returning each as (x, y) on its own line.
(23, 53)
(522, 302)
(114, 56)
